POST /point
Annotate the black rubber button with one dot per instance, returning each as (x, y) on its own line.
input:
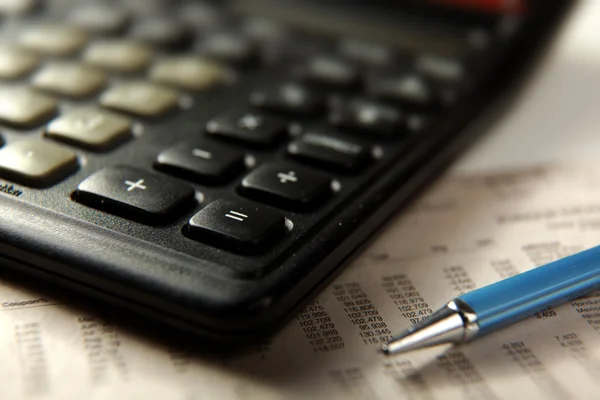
(203, 161)
(230, 48)
(250, 127)
(332, 71)
(237, 225)
(332, 152)
(409, 89)
(288, 98)
(367, 116)
(287, 186)
(135, 194)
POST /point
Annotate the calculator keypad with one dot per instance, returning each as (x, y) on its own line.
(182, 114)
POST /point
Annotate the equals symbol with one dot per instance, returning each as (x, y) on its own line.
(236, 215)
(207, 155)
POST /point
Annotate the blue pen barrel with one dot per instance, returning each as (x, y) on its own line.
(523, 295)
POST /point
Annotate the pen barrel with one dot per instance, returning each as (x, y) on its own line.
(521, 296)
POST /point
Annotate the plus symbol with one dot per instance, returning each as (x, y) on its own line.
(135, 185)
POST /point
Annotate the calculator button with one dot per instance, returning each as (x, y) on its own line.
(230, 48)
(53, 40)
(264, 31)
(36, 163)
(330, 152)
(249, 127)
(366, 52)
(416, 123)
(290, 98)
(16, 63)
(168, 34)
(366, 116)
(332, 71)
(237, 225)
(188, 73)
(24, 108)
(203, 161)
(90, 128)
(69, 79)
(135, 194)
(118, 55)
(18, 7)
(440, 68)
(287, 186)
(140, 99)
(409, 89)
(100, 19)
(200, 15)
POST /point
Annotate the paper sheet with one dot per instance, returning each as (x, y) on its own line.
(466, 232)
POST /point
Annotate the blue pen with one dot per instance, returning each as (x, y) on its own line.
(503, 303)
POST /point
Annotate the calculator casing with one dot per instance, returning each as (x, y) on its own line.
(149, 279)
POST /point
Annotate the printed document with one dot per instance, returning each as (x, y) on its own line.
(467, 231)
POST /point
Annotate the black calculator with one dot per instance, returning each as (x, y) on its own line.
(209, 166)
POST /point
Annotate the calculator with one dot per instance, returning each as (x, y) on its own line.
(209, 166)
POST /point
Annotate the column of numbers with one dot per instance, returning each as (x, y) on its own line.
(362, 313)
(406, 297)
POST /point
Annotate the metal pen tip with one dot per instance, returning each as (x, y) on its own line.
(444, 326)
(385, 349)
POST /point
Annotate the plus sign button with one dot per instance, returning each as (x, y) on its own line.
(288, 186)
(135, 194)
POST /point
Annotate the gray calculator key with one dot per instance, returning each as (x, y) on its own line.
(24, 108)
(69, 79)
(118, 55)
(53, 40)
(100, 19)
(36, 163)
(16, 63)
(140, 99)
(18, 7)
(90, 128)
(188, 73)
(169, 34)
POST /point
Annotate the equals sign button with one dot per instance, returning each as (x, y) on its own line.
(207, 155)
(236, 215)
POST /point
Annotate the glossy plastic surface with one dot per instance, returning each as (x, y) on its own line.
(520, 296)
